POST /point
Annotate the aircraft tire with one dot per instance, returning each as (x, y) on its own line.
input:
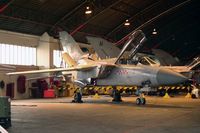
(138, 101)
(143, 101)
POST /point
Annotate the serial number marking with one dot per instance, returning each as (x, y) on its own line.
(122, 72)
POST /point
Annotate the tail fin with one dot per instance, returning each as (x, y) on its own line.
(70, 46)
(104, 48)
(165, 58)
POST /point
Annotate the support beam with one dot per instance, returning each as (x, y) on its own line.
(154, 19)
(120, 11)
(67, 15)
(25, 20)
(93, 17)
(77, 29)
(116, 28)
(130, 6)
(5, 6)
(165, 36)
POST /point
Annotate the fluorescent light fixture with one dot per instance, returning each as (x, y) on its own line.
(127, 23)
(154, 32)
(88, 11)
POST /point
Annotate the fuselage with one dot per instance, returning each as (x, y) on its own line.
(130, 74)
(140, 75)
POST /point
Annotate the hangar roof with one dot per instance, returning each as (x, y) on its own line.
(175, 21)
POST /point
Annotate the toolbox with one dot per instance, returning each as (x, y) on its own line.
(50, 93)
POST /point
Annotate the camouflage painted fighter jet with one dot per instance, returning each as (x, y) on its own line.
(87, 71)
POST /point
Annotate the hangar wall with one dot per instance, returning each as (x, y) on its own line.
(13, 79)
(18, 38)
(45, 46)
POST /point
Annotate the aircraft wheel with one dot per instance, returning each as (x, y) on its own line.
(77, 98)
(143, 101)
(138, 101)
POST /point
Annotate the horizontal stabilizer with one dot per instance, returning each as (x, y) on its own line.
(68, 59)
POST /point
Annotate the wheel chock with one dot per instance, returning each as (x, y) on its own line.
(188, 95)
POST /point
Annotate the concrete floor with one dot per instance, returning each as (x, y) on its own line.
(175, 115)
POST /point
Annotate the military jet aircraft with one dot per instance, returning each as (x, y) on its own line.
(106, 49)
(87, 71)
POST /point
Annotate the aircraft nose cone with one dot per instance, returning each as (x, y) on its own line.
(168, 77)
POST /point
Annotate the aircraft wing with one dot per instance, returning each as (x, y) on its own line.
(77, 68)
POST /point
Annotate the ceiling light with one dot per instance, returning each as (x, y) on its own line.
(154, 32)
(127, 23)
(88, 10)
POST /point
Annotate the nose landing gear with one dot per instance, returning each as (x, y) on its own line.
(141, 99)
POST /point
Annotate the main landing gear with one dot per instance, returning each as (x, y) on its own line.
(141, 99)
(77, 96)
(116, 95)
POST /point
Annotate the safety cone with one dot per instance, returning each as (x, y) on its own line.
(188, 95)
(96, 95)
(166, 94)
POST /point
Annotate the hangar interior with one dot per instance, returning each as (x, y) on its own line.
(31, 40)
(29, 30)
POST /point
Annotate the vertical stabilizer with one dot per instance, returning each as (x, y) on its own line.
(103, 48)
(165, 58)
(70, 46)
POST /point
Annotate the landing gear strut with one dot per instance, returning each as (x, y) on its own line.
(116, 96)
(77, 96)
(146, 87)
(141, 100)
